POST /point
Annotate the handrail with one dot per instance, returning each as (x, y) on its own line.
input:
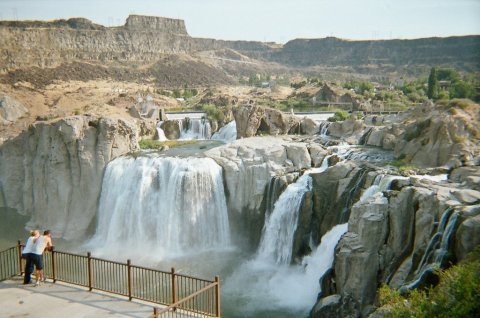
(135, 282)
(174, 306)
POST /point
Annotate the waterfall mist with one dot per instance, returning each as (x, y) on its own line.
(260, 286)
(157, 207)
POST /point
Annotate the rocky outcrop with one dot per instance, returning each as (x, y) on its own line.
(255, 120)
(165, 25)
(10, 110)
(395, 238)
(248, 165)
(53, 171)
(432, 135)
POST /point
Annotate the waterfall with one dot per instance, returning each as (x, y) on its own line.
(279, 229)
(160, 132)
(324, 127)
(262, 286)
(161, 207)
(227, 133)
(436, 251)
(196, 128)
(381, 183)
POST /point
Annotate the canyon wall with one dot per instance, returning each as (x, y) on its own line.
(53, 172)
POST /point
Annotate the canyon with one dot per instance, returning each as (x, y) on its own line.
(339, 207)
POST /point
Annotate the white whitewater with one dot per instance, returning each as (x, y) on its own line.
(160, 132)
(227, 133)
(157, 207)
(196, 129)
(262, 285)
(381, 183)
(280, 226)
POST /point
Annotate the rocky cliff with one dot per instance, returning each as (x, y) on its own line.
(462, 52)
(142, 39)
(53, 171)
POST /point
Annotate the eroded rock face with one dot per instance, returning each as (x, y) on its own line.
(248, 166)
(53, 172)
(253, 120)
(391, 239)
(10, 110)
(431, 136)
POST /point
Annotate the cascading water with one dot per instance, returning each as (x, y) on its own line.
(197, 128)
(159, 207)
(268, 282)
(381, 183)
(272, 290)
(437, 249)
(227, 133)
(324, 127)
(160, 132)
(280, 225)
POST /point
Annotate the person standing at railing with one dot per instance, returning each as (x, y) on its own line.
(27, 255)
(40, 244)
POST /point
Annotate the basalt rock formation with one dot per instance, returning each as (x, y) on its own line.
(53, 172)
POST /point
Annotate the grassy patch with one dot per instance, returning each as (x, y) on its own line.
(157, 144)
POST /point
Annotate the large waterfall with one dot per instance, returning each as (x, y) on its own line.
(161, 207)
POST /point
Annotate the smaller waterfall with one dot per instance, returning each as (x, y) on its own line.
(436, 251)
(281, 224)
(227, 133)
(160, 132)
(264, 286)
(381, 183)
(197, 128)
(324, 127)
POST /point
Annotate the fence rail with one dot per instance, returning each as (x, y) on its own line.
(182, 294)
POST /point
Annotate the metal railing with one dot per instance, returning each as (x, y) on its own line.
(180, 293)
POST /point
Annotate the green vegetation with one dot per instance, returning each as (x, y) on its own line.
(402, 165)
(360, 87)
(456, 296)
(157, 144)
(213, 112)
(340, 115)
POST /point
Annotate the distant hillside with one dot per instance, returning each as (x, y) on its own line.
(144, 48)
(462, 52)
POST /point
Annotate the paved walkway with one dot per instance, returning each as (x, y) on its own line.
(62, 300)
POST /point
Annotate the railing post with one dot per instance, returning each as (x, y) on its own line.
(217, 296)
(129, 278)
(54, 274)
(19, 248)
(174, 287)
(155, 312)
(89, 265)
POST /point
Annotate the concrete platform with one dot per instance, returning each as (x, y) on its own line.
(61, 300)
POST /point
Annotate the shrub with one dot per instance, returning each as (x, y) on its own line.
(456, 296)
(213, 112)
(340, 115)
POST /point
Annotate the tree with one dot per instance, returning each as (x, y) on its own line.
(432, 91)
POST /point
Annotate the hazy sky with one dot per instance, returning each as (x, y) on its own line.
(273, 20)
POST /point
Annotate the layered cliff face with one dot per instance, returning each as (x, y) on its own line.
(53, 171)
(428, 52)
(143, 39)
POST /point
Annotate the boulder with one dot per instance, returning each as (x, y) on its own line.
(10, 110)
(171, 128)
